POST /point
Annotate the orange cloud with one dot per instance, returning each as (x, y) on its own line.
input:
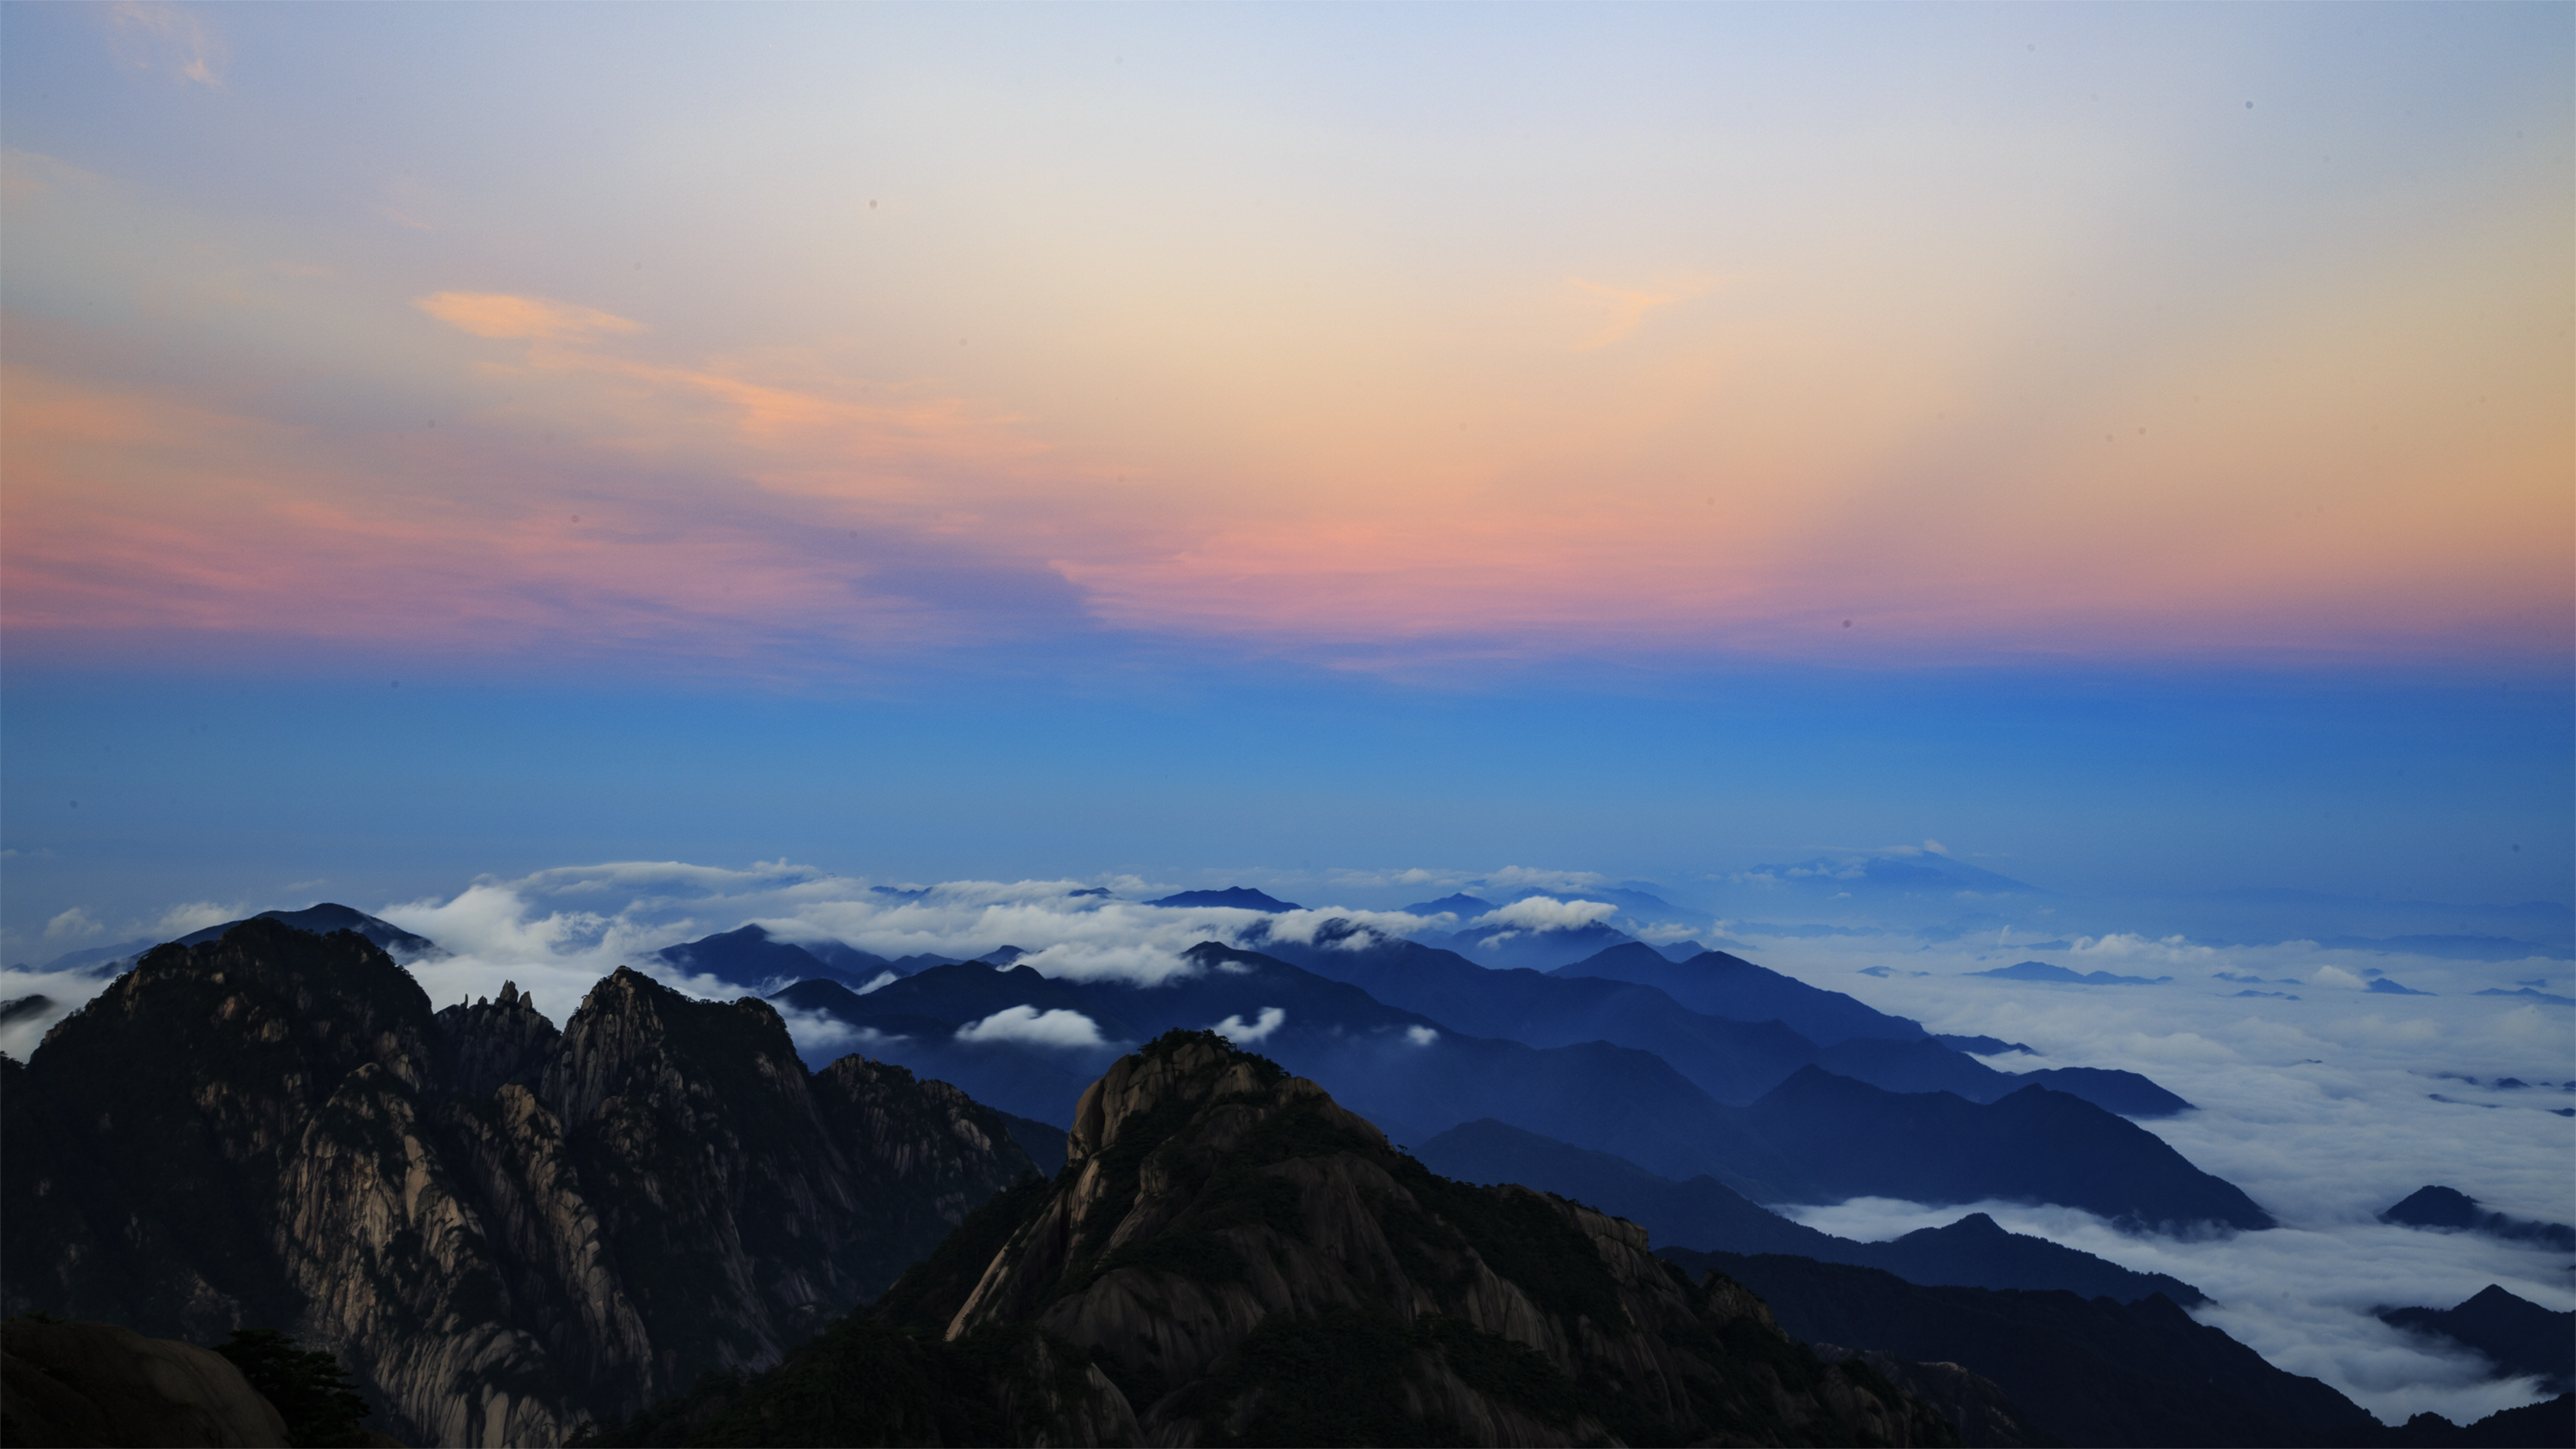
(498, 314)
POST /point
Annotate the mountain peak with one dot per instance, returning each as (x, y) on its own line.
(2434, 1206)
(1243, 1259)
(1176, 1070)
(1240, 898)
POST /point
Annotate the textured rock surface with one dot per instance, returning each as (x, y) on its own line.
(1246, 1261)
(1975, 1405)
(502, 1230)
(82, 1384)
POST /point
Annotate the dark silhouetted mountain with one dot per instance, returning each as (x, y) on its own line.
(1406, 1070)
(1504, 947)
(95, 960)
(1733, 1061)
(2547, 1425)
(2443, 1207)
(325, 918)
(1461, 904)
(2091, 1372)
(2042, 971)
(1230, 1256)
(1681, 950)
(2519, 1336)
(1241, 898)
(1416, 1073)
(1705, 1213)
(2386, 986)
(1718, 984)
(1042, 1141)
(2126, 1093)
(1920, 1065)
(18, 1008)
(1002, 956)
(2034, 1145)
(1025, 1079)
(1984, 1046)
(1978, 1252)
(499, 1228)
(321, 920)
(2527, 994)
(750, 959)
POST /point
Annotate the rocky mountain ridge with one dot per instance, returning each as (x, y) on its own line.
(503, 1229)
(1230, 1256)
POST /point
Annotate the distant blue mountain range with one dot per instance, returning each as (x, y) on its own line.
(1705, 1214)
(1241, 898)
(1421, 1040)
(2042, 971)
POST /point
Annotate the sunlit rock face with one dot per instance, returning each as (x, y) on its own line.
(1245, 1260)
(502, 1230)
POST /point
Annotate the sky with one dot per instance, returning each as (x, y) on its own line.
(2131, 444)
(571, 479)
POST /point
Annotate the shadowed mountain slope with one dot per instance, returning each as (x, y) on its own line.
(2519, 1336)
(2034, 1145)
(750, 959)
(1718, 984)
(2091, 1372)
(1734, 1061)
(1231, 1257)
(501, 1229)
(1704, 1213)
(2443, 1207)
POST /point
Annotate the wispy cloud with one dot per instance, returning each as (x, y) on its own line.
(172, 39)
(498, 314)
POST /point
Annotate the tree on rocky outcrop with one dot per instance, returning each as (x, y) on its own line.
(310, 1389)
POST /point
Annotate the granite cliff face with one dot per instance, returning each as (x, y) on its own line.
(1228, 1256)
(502, 1230)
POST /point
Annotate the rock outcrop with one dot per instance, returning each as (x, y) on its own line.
(95, 1384)
(501, 1229)
(1229, 1256)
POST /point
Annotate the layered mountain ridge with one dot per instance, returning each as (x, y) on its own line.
(1811, 1135)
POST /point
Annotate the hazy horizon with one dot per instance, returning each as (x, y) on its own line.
(570, 480)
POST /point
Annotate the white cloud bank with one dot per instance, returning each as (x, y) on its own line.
(1547, 913)
(1237, 1031)
(1029, 1026)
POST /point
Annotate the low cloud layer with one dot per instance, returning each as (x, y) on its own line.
(2326, 1108)
(1546, 913)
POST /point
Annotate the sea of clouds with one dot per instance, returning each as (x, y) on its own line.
(2326, 1108)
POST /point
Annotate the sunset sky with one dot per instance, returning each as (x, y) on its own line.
(2138, 442)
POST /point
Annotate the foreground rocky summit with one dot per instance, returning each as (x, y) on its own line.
(1230, 1257)
(502, 1229)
